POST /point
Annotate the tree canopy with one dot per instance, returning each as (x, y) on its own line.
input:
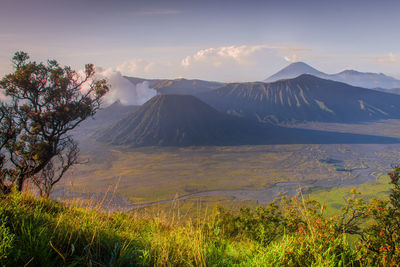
(44, 102)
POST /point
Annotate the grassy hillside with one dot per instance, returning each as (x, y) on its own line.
(41, 232)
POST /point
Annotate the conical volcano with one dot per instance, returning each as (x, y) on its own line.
(180, 120)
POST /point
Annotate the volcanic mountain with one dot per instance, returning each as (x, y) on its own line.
(180, 120)
(178, 86)
(294, 70)
(104, 117)
(305, 98)
(362, 79)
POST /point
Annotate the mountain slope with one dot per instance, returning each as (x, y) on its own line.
(103, 118)
(305, 98)
(178, 86)
(136, 80)
(293, 70)
(185, 87)
(180, 120)
(362, 79)
(365, 79)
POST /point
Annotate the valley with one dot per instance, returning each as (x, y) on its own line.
(239, 143)
(134, 177)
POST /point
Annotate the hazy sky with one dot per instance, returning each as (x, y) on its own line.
(213, 40)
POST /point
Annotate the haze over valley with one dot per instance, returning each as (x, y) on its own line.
(253, 141)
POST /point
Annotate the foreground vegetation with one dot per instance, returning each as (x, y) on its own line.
(294, 232)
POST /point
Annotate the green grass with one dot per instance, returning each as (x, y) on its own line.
(42, 232)
(197, 207)
(335, 198)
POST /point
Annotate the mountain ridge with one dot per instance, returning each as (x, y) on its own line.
(179, 120)
(304, 98)
(368, 80)
(180, 86)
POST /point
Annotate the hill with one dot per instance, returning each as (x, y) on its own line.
(180, 120)
(294, 70)
(185, 87)
(103, 118)
(305, 98)
(365, 79)
(362, 79)
(178, 86)
(183, 120)
(297, 232)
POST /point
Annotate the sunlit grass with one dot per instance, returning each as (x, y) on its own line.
(335, 198)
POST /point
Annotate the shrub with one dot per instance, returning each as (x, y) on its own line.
(6, 239)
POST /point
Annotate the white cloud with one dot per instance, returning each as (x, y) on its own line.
(239, 63)
(125, 91)
(216, 56)
(224, 63)
(120, 88)
(135, 65)
(292, 58)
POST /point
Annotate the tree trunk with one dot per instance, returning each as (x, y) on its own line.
(20, 184)
(6, 189)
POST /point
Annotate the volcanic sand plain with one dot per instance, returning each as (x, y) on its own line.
(139, 177)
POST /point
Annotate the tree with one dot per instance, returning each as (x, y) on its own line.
(45, 102)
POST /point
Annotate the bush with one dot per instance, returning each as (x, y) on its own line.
(6, 240)
(293, 232)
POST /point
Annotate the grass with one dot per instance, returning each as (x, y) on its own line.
(42, 232)
(197, 207)
(335, 198)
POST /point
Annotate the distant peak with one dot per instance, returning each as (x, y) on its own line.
(294, 70)
(302, 65)
(349, 72)
(354, 72)
(299, 63)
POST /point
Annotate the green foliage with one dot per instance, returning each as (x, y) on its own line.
(297, 234)
(264, 224)
(381, 240)
(6, 241)
(293, 232)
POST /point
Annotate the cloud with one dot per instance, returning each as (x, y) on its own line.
(155, 69)
(239, 63)
(292, 58)
(216, 56)
(223, 63)
(125, 91)
(120, 88)
(135, 65)
(390, 58)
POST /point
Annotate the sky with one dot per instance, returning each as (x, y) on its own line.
(211, 40)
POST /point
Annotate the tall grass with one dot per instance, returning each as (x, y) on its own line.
(42, 232)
